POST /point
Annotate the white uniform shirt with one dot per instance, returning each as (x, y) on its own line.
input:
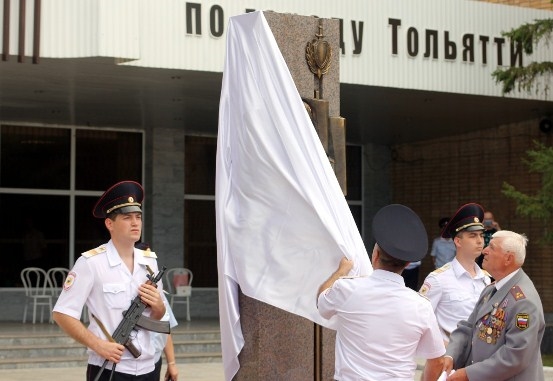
(453, 294)
(160, 339)
(382, 327)
(101, 280)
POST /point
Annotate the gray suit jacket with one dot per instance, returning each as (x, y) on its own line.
(501, 339)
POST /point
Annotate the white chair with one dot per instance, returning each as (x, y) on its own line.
(178, 282)
(57, 277)
(38, 291)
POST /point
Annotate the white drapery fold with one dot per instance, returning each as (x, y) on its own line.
(282, 221)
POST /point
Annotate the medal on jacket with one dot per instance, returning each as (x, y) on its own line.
(491, 326)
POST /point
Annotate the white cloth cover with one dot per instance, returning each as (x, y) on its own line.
(282, 221)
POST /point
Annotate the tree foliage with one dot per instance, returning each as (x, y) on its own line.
(540, 204)
(524, 78)
(540, 159)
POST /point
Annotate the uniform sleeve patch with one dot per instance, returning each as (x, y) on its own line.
(69, 280)
(517, 293)
(522, 321)
(425, 288)
(93, 252)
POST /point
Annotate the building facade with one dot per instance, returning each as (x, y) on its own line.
(93, 92)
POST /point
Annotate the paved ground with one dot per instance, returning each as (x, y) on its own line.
(187, 372)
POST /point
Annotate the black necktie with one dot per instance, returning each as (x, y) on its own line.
(493, 292)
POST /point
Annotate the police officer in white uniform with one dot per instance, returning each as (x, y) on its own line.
(106, 279)
(454, 288)
(382, 326)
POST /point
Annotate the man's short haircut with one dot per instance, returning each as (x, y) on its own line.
(390, 262)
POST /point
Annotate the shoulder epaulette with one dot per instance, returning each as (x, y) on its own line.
(422, 296)
(96, 251)
(148, 253)
(517, 293)
(445, 267)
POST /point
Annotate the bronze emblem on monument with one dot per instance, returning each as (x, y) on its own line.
(318, 54)
(330, 129)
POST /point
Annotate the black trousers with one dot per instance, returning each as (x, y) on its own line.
(157, 369)
(92, 372)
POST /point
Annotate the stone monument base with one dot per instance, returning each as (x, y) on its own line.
(280, 345)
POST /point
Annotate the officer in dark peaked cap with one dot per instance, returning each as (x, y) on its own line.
(106, 280)
(123, 197)
(469, 217)
(454, 288)
(400, 233)
(382, 325)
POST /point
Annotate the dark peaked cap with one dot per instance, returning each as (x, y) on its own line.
(123, 197)
(400, 233)
(468, 218)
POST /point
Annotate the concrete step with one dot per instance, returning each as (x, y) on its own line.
(48, 350)
(26, 338)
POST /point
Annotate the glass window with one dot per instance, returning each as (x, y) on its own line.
(34, 231)
(35, 157)
(353, 172)
(357, 213)
(107, 157)
(36, 193)
(200, 243)
(90, 232)
(199, 158)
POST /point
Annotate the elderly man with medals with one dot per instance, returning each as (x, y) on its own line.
(501, 339)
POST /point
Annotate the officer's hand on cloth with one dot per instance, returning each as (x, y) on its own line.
(344, 267)
(109, 350)
(172, 372)
(149, 294)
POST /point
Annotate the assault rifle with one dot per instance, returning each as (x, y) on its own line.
(133, 319)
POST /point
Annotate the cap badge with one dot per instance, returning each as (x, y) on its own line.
(131, 199)
(476, 219)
